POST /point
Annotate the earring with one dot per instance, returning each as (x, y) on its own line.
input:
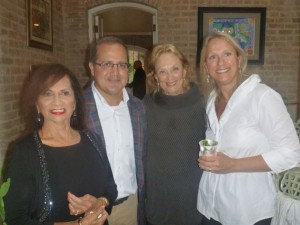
(73, 119)
(38, 118)
(157, 87)
(207, 78)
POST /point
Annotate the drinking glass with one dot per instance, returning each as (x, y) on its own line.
(208, 147)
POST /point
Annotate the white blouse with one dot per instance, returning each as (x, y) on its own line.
(254, 122)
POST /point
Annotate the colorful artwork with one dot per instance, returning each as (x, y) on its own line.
(242, 29)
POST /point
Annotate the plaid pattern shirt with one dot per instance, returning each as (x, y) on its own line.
(138, 120)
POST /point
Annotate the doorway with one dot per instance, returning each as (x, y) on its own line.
(133, 22)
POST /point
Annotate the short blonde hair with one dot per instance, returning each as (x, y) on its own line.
(152, 57)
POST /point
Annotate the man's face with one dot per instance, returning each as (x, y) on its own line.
(110, 81)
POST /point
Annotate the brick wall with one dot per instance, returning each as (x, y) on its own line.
(15, 60)
(177, 23)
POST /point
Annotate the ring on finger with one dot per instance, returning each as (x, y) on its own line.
(100, 215)
(91, 212)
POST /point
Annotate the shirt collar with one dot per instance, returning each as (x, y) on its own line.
(240, 92)
(103, 100)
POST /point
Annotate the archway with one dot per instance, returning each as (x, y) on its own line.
(98, 14)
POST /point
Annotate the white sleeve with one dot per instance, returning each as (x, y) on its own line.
(280, 131)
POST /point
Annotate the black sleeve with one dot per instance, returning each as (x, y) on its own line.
(21, 202)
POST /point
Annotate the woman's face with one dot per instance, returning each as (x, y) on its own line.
(170, 74)
(222, 62)
(57, 103)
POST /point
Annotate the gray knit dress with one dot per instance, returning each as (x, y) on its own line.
(175, 126)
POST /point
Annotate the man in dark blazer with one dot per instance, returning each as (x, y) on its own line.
(119, 119)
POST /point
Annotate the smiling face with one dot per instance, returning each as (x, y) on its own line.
(170, 74)
(57, 103)
(110, 81)
(222, 62)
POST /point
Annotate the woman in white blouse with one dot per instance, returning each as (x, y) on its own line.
(256, 138)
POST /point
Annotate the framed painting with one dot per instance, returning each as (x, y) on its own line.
(40, 24)
(246, 25)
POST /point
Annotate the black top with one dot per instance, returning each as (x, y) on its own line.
(139, 83)
(175, 126)
(80, 169)
(72, 168)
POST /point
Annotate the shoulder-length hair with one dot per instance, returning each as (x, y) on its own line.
(38, 82)
(239, 51)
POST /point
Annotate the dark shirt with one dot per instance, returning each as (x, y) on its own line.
(139, 83)
(80, 169)
(175, 125)
(73, 168)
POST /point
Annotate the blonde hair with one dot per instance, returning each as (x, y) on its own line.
(239, 51)
(152, 57)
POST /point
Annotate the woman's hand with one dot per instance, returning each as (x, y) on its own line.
(85, 204)
(219, 163)
(80, 205)
(93, 208)
(94, 217)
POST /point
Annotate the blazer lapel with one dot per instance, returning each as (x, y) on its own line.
(92, 118)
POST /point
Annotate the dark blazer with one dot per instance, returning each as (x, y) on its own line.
(138, 120)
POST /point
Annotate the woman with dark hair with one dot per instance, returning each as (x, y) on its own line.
(59, 174)
(38, 82)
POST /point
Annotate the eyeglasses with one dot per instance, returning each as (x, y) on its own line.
(110, 65)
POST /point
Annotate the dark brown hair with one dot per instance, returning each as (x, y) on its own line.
(105, 40)
(39, 81)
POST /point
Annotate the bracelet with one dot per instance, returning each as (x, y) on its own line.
(105, 200)
(79, 221)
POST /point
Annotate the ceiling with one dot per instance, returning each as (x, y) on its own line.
(126, 20)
